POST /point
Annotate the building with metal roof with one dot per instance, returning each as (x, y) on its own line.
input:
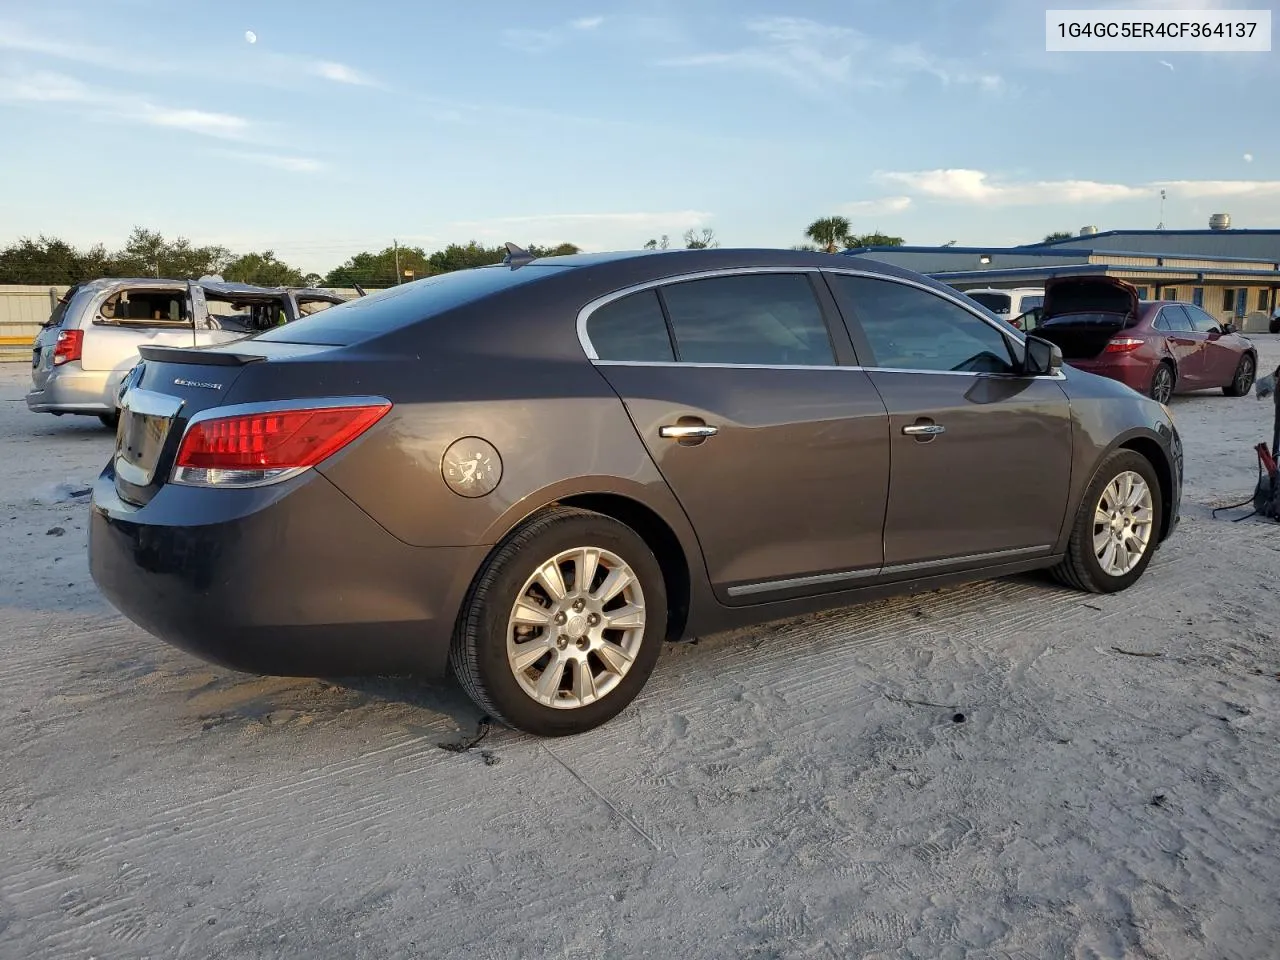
(1229, 285)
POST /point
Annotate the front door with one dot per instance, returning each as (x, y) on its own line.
(1220, 352)
(980, 455)
(778, 454)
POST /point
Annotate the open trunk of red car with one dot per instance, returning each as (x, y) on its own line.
(1082, 314)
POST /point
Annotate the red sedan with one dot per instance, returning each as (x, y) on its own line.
(1157, 347)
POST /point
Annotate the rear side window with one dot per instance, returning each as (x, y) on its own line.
(913, 329)
(769, 319)
(146, 308)
(631, 328)
(995, 302)
(402, 306)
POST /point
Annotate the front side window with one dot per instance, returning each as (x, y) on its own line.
(632, 329)
(1201, 322)
(912, 329)
(770, 319)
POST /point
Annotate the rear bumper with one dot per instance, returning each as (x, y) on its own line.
(69, 390)
(1131, 371)
(293, 580)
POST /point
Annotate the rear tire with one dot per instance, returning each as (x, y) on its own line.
(1163, 381)
(1242, 382)
(110, 420)
(1117, 527)
(553, 665)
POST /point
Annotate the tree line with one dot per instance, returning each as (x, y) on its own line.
(147, 253)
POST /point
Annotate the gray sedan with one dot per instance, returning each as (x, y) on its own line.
(537, 472)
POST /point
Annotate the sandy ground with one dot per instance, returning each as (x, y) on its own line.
(800, 790)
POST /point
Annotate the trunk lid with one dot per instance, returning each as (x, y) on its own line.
(1082, 314)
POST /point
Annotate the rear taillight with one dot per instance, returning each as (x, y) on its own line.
(1123, 344)
(70, 346)
(252, 449)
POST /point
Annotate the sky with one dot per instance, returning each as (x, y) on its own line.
(318, 128)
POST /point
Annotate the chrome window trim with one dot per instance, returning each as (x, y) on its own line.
(585, 313)
(863, 573)
(849, 368)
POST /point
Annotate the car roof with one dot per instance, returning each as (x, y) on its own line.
(218, 287)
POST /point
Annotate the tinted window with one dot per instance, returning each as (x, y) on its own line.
(1030, 303)
(995, 302)
(146, 307)
(764, 318)
(1173, 318)
(402, 306)
(1201, 322)
(913, 329)
(631, 328)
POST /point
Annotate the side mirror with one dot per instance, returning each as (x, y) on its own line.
(1229, 327)
(1042, 358)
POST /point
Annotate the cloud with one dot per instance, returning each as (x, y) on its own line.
(590, 231)
(13, 36)
(47, 87)
(976, 186)
(1248, 158)
(817, 57)
(884, 206)
(242, 65)
(541, 40)
(1218, 189)
(278, 161)
(531, 41)
(341, 73)
(979, 187)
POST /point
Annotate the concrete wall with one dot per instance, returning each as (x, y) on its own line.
(24, 308)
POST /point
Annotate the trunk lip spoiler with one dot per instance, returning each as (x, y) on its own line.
(197, 355)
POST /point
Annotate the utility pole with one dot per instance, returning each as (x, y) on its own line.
(1160, 225)
(396, 247)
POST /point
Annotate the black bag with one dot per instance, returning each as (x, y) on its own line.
(1266, 496)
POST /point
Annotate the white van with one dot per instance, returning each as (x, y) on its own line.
(1010, 304)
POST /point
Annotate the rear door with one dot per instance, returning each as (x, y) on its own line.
(775, 444)
(981, 455)
(1182, 341)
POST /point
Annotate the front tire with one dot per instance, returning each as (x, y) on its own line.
(1162, 382)
(563, 625)
(110, 420)
(1242, 382)
(1117, 527)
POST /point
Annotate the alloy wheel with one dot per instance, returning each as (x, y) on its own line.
(576, 627)
(1162, 388)
(1244, 376)
(1122, 524)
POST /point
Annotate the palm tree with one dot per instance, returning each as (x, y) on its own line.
(830, 233)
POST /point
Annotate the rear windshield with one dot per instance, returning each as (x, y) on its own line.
(398, 307)
(995, 302)
(69, 306)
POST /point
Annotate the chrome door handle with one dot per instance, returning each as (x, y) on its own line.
(688, 431)
(924, 430)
